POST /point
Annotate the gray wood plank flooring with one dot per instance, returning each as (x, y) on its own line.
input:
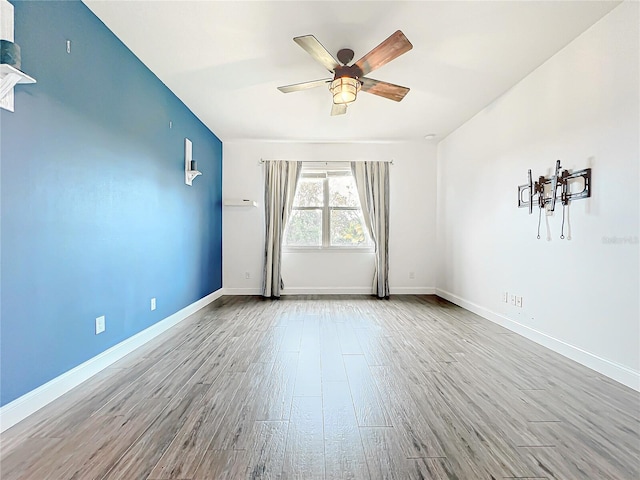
(334, 387)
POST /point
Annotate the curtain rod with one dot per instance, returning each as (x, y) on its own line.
(262, 160)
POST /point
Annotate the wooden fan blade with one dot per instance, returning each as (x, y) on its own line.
(304, 86)
(391, 48)
(338, 109)
(314, 48)
(384, 89)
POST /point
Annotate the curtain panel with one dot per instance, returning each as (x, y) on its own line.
(372, 182)
(281, 180)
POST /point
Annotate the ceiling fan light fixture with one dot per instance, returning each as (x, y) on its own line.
(348, 79)
(344, 90)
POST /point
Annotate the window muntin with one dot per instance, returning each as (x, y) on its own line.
(326, 213)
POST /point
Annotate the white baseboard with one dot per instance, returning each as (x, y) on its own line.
(22, 407)
(242, 291)
(333, 291)
(327, 291)
(613, 370)
(356, 291)
(303, 291)
(413, 290)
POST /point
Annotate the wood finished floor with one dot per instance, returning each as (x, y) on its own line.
(336, 388)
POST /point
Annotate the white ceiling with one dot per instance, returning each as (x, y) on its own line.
(224, 60)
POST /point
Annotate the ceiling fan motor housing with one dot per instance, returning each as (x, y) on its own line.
(345, 55)
(352, 71)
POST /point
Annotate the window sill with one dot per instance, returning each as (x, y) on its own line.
(328, 250)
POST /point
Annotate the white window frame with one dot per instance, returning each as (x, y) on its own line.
(325, 173)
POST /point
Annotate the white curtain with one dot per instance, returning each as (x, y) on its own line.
(281, 179)
(372, 182)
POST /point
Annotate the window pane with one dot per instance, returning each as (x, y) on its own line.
(342, 192)
(309, 193)
(347, 229)
(304, 229)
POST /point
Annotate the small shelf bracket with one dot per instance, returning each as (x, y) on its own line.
(10, 77)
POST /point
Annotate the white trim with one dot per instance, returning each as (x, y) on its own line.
(327, 291)
(412, 290)
(22, 407)
(314, 141)
(613, 370)
(356, 291)
(243, 291)
(333, 291)
(367, 250)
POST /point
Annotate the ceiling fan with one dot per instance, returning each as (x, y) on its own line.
(348, 80)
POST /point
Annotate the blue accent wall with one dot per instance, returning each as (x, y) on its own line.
(96, 217)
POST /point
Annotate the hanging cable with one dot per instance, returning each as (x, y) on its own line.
(539, 220)
(546, 221)
(568, 222)
(564, 207)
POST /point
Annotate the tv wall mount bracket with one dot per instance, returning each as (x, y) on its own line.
(546, 191)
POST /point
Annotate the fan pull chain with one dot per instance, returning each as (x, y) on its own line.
(564, 207)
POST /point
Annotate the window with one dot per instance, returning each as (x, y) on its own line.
(326, 212)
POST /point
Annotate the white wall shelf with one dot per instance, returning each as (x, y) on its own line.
(9, 78)
(240, 203)
(9, 75)
(6, 70)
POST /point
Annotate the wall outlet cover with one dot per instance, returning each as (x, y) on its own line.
(100, 324)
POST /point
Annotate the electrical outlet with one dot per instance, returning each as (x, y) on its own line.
(412, 275)
(100, 325)
(247, 275)
(513, 299)
(153, 303)
(519, 301)
(505, 297)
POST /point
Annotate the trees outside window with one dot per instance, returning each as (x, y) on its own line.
(326, 212)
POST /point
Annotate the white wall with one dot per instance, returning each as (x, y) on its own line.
(581, 297)
(412, 216)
